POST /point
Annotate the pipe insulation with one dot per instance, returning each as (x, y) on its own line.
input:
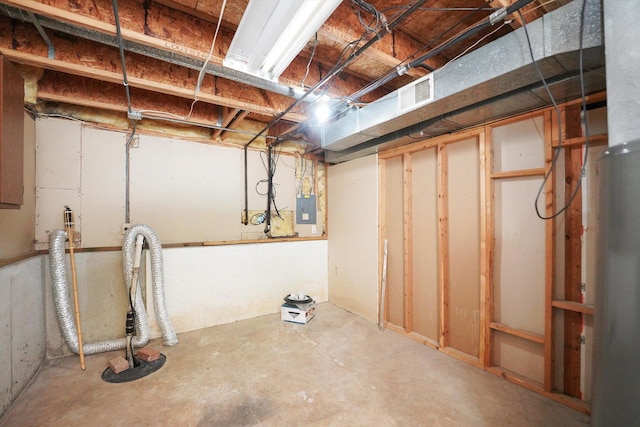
(62, 300)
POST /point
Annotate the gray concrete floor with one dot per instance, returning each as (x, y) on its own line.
(337, 370)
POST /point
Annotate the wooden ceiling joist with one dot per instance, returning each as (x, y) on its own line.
(226, 119)
(235, 124)
(86, 59)
(155, 26)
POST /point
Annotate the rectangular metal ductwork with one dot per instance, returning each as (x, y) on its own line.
(494, 81)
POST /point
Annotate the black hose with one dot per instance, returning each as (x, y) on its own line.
(435, 51)
(339, 67)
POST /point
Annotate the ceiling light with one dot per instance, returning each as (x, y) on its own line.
(323, 110)
(272, 32)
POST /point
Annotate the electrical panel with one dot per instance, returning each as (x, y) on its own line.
(306, 209)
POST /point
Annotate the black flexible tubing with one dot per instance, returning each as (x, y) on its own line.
(339, 67)
(560, 146)
(418, 62)
(267, 227)
(334, 71)
(474, 30)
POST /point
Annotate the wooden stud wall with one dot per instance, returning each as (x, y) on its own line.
(421, 205)
(425, 243)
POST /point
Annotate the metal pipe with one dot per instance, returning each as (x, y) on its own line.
(337, 69)
(133, 290)
(267, 227)
(245, 220)
(172, 57)
(125, 82)
(36, 22)
(127, 183)
(399, 71)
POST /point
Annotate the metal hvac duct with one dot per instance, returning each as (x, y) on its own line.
(62, 301)
(494, 81)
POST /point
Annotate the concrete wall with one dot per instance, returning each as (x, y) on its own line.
(22, 326)
(353, 236)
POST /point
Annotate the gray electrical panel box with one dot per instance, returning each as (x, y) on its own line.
(306, 209)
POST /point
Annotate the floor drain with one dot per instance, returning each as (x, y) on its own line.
(142, 370)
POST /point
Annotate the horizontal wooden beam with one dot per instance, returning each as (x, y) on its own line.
(581, 140)
(156, 26)
(228, 117)
(87, 59)
(518, 173)
(573, 306)
(516, 332)
(235, 124)
(334, 35)
(576, 404)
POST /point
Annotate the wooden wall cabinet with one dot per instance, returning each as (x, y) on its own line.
(11, 135)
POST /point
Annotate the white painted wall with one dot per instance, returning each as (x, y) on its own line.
(204, 287)
(186, 191)
(22, 326)
(208, 286)
(353, 236)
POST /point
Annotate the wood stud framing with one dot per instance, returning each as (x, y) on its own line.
(443, 245)
(408, 245)
(550, 239)
(573, 268)
(573, 307)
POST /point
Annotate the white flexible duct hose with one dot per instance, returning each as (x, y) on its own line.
(157, 276)
(62, 301)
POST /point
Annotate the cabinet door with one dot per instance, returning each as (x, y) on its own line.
(11, 135)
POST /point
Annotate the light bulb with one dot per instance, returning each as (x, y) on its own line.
(323, 111)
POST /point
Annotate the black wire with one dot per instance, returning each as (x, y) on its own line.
(448, 30)
(274, 165)
(338, 68)
(377, 16)
(559, 116)
(133, 315)
(392, 73)
(352, 46)
(443, 9)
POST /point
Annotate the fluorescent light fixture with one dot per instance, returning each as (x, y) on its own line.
(272, 32)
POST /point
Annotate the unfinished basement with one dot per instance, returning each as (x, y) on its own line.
(319, 212)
